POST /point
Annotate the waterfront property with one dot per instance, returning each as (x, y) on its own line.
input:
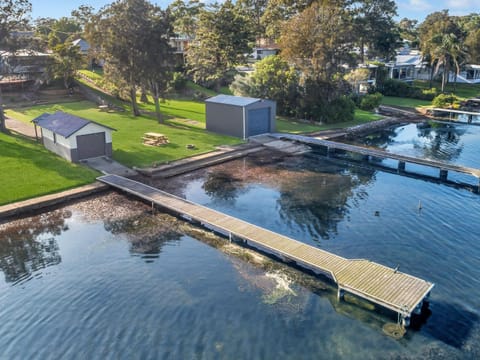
(73, 137)
(384, 286)
(240, 116)
(332, 146)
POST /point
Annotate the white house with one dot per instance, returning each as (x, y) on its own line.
(408, 67)
(73, 137)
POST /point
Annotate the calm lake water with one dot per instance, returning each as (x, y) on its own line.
(78, 285)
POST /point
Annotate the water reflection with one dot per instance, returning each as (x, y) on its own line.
(222, 186)
(311, 192)
(146, 234)
(28, 245)
(431, 140)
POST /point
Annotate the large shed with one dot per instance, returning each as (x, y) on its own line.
(73, 137)
(240, 116)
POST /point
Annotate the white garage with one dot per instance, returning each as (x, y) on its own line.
(73, 137)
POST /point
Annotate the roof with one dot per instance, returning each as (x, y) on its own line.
(82, 44)
(63, 124)
(408, 60)
(232, 100)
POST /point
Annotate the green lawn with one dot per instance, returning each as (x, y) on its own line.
(128, 147)
(29, 170)
(406, 102)
(184, 124)
(464, 91)
(296, 127)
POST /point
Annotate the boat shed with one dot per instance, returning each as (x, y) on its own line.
(73, 137)
(240, 116)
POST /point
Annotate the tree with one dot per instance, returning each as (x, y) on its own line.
(375, 28)
(67, 60)
(253, 11)
(274, 79)
(63, 30)
(409, 31)
(12, 16)
(158, 62)
(185, 16)
(441, 42)
(318, 40)
(278, 11)
(133, 37)
(356, 76)
(222, 39)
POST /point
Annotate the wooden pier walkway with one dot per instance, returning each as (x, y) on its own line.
(379, 284)
(331, 146)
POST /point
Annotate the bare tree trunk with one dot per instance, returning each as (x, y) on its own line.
(3, 127)
(133, 97)
(432, 71)
(157, 104)
(444, 76)
(143, 96)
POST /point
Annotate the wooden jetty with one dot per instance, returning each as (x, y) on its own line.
(436, 113)
(331, 146)
(384, 286)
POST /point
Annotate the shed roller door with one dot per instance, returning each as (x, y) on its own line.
(258, 121)
(91, 145)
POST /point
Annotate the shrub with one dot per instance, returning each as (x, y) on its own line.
(339, 110)
(402, 89)
(178, 82)
(370, 101)
(446, 101)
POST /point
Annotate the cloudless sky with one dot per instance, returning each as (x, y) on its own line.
(412, 9)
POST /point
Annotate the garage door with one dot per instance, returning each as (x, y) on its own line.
(91, 145)
(258, 121)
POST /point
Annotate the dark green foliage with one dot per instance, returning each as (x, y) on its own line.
(222, 39)
(371, 101)
(399, 88)
(178, 82)
(273, 79)
(325, 102)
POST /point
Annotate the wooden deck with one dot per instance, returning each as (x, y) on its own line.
(402, 159)
(382, 285)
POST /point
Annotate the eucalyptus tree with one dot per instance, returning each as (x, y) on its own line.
(375, 28)
(185, 16)
(278, 11)
(223, 38)
(318, 39)
(158, 60)
(13, 16)
(130, 40)
(254, 11)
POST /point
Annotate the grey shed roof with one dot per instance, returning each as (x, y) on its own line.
(233, 100)
(62, 123)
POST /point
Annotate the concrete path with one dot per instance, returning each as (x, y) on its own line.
(107, 165)
(20, 127)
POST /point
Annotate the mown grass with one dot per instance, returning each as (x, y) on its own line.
(405, 102)
(127, 141)
(464, 91)
(29, 170)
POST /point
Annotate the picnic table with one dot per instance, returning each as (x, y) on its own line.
(154, 139)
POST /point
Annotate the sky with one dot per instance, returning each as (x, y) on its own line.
(412, 9)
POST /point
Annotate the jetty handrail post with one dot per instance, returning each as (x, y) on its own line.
(443, 174)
